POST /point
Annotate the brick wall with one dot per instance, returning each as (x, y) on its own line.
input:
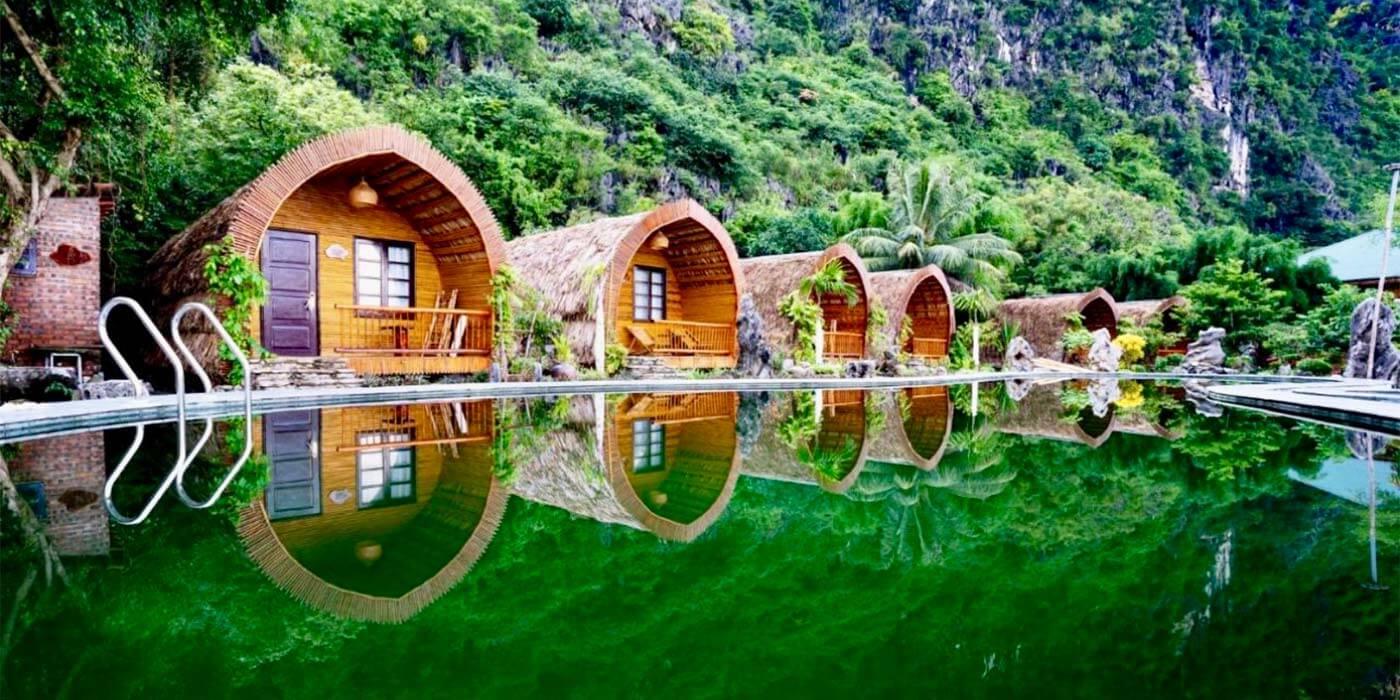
(58, 306)
(72, 469)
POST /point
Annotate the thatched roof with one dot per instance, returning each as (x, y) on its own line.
(571, 471)
(566, 265)
(1042, 319)
(771, 277)
(431, 553)
(896, 442)
(1143, 311)
(1041, 415)
(895, 289)
(1137, 423)
(411, 177)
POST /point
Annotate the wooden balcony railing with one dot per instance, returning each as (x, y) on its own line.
(412, 331)
(681, 408)
(843, 344)
(929, 347)
(680, 337)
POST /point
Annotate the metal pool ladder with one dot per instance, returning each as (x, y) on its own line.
(185, 456)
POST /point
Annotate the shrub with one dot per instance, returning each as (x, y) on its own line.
(1132, 346)
(1314, 367)
(614, 357)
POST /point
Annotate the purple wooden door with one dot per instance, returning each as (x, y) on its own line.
(291, 441)
(289, 320)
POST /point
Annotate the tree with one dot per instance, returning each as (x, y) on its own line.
(80, 74)
(934, 221)
(1241, 301)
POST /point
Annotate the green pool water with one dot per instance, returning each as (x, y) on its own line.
(1074, 540)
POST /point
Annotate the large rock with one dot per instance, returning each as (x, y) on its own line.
(1103, 354)
(889, 364)
(37, 383)
(1387, 360)
(1020, 354)
(755, 357)
(1102, 393)
(1204, 355)
(860, 369)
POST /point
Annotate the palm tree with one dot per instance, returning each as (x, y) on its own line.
(828, 279)
(934, 221)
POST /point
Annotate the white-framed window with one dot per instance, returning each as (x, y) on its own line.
(648, 446)
(384, 476)
(648, 293)
(383, 273)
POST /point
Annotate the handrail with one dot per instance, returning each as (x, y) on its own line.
(139, 389)
(209, 422)
(413, 309)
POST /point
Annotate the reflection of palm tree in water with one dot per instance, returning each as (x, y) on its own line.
(972, 468)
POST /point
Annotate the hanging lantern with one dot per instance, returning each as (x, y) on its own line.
(660, 242)
(362, 196)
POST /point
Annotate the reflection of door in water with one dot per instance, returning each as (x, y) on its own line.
(289, 316)
(292, 440)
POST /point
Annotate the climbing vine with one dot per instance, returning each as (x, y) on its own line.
(801, 308)
(504, 298)
(879, 316)
(234, 278)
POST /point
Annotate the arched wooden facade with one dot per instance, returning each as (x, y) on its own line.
(918, 422)
(1168, 310)
(921, 296)
(1042, 319)
(398, 286)
(668, 462)
(835, 452)
(372, 513)
(1040, 414)
(844, 325)
(663, 283)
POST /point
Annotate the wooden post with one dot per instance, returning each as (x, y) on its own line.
(1394, 169)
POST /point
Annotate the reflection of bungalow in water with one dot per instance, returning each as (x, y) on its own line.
(918, 423)
(1040, 414)
(664, 463)
(1168, 310)
(663, 283)
(374, 512)
(1042, 320)
(376, 249)
(63, 478)
(813, 437)
(922, 299)
(843, 324)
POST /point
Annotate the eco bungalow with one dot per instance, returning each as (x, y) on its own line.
(375, 247)
(1044, 320)
(1168, 310)
(842, 331)
(372, 513)
(663, 283)
(921, 299)
(918, 422)
(814, 437)
(663, 463)
(1040, 414)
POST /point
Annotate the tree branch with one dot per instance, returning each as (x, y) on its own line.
(63, 162)
(8, 173)
(32, 48)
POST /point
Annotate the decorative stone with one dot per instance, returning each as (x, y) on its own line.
(859, 369)
(1103, 354)
(1204, 355)
(1020, 354)
(563, 372)
(109, 389)
(1196, 394)
(801, 370)
(1018, 389)
(1102, 393)
(37, 383)
(755, 356)
(889, 364)
(1387, 360)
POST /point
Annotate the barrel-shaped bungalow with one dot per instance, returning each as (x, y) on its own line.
(820, 438)
(918, 422)
(663, 463)
(919, 305)
(843, 329)
(1168, 310)
(1040, 414)
(663, 283)
(372, 513)
(1044, 320)
(375, 247)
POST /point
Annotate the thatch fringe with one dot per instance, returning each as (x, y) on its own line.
(1143, 311)
(769, 278)
(282, 568)
(1042, 319)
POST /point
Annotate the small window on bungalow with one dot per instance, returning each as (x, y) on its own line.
(28, 263)
(383, 273)
(648, 293)
(648, 446)
(384, 469)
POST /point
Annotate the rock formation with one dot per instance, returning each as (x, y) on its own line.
(889, 364)
(1204, 355)
(1102, 393)
(1103, 354)
(755, 357)
(1020, 354)
(1018, 389)
(1387, 360)
(860, 369)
